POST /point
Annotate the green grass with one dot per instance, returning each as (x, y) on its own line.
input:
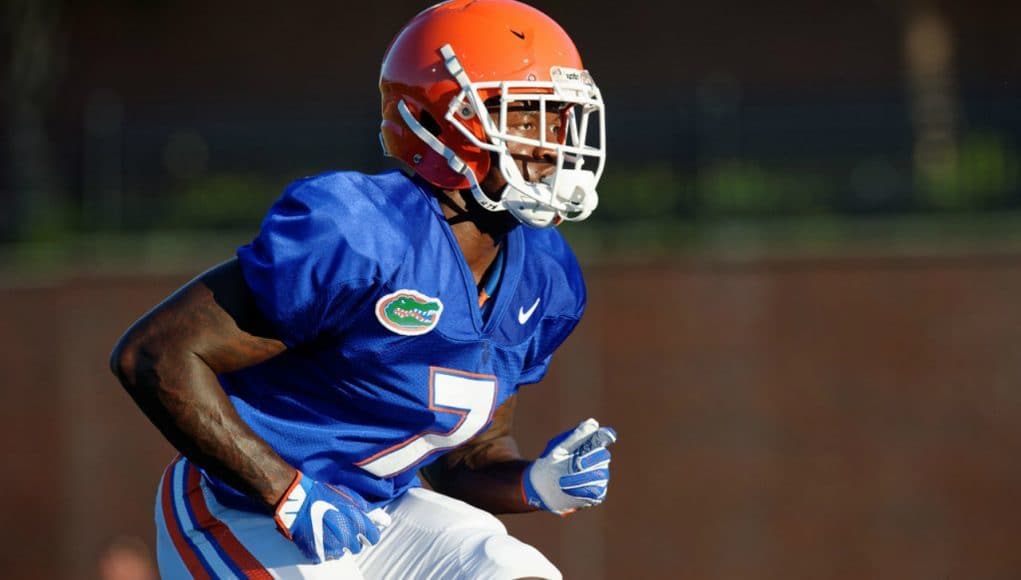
(183, 251)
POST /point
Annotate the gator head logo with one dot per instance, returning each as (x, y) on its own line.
(408, 312)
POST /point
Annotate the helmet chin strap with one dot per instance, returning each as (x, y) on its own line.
(566, 194)
(528, 211)
(522, 198)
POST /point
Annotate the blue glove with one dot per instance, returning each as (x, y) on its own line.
(573, 471)
(326, 521)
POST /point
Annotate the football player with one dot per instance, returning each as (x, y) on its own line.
(379, 327)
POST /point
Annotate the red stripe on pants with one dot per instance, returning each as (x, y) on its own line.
(174, 527)
(243, 559)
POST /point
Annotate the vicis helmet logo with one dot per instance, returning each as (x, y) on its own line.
(409, 312)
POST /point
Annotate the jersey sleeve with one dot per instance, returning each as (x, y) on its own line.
(558, 272)
(305, 268)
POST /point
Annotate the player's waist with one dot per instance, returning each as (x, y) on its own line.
(375, 491)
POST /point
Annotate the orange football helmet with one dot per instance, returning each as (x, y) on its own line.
(452, 65)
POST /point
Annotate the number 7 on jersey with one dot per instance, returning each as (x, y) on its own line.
(471, 396)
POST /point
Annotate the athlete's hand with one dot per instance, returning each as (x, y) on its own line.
(326, 521)
(573, 471)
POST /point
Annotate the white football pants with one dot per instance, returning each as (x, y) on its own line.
(432, 536)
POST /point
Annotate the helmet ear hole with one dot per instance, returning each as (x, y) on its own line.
(430, 123)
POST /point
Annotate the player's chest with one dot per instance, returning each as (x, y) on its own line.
(405, 364)
(419, 345)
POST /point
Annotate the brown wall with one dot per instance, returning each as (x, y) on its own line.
(838, 418)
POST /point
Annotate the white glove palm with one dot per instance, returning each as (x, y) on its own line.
(574, 470)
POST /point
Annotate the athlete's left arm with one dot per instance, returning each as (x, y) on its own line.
(487, 470)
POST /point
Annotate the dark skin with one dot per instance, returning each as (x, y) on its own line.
(169, 359)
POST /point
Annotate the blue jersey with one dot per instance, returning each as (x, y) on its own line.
(389, 361)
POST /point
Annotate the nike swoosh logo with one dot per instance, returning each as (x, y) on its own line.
(524, 315)
(520, 35)
(317, 513)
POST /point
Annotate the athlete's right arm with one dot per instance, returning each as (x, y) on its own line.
(168, 361)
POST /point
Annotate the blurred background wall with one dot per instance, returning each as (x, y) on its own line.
(804, 272)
